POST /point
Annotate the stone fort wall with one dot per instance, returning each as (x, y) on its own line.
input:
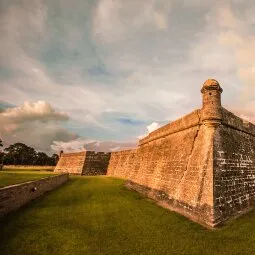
(83, 163)
(71, 163)
(174, 166)
(14, 196)
(234, 166)
(202, 165)
(96, 163)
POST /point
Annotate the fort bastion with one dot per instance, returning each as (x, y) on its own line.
(201, 165)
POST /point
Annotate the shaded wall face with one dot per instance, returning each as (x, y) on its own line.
(234, 171)
(96, 163)
(173, 170)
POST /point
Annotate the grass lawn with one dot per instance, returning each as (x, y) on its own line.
(97, 215)
(10, 177)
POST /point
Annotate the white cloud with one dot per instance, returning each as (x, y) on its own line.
(23, 30)
(35, 124)
(150, 128)
(246, 111)
(38, 135)
(160, 20)
(70, 146)
(109, 145)
(31, 111)
(156, 56)
(115, 20)
(110, 110)
(115, 148)
(82, 144)
(141, 136)
(235, 34)
(226, 18)
(153, 126)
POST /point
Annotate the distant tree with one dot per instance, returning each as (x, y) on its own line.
(42, 159)
(52, 161)
(1, 155)
(55, 158)
(20, 154)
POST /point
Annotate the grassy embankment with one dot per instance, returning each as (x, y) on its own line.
(97, 215)
(14, 176)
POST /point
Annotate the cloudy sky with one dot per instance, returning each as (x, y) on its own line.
(102, 73)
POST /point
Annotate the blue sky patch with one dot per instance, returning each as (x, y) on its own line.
(128, 121)
(97, 71)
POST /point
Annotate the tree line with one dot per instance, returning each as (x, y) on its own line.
(21, 154)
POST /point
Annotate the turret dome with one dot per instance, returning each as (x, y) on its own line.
(211, 84)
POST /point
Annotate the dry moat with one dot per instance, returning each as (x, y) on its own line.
(97, 215)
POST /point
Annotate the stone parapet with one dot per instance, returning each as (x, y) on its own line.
(14, 196)
(235, 122)
(190, 120)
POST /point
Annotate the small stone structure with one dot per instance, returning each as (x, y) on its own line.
(14, 196)
(201, 165)
(83, 163)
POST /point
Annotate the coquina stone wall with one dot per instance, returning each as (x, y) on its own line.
(72, 163)
(175, 168)
(234, 166)
(202, 165)
(96, 163)
(14, 196)
(83, 163)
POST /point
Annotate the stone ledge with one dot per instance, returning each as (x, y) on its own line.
(188, 121)
(14, 196)
(28, 167)
(235, 122)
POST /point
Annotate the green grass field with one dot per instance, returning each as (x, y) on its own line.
(97, 215)
(10, 177)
